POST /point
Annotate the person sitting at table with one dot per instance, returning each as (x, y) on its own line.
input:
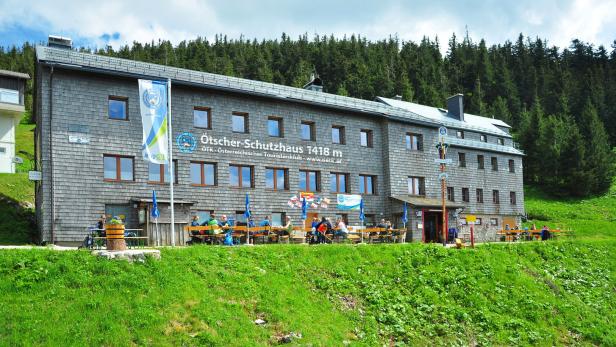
(322, 228)
(313, 229)
(545, 233)
(288, 227)
(195, 221)
(507, 227)
(251, 222)
(342, 229)
(212, 222)
(265, 222)
(224, 222)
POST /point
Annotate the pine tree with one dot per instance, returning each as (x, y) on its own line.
(598, 150)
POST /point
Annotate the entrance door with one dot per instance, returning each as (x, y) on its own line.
(309, 217)
(433, 226)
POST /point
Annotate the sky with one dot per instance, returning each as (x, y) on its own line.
(100, 23)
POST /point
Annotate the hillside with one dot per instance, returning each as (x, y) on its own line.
(17, 193)
(555, 293)
(592, 218)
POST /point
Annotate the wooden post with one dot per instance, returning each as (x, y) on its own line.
(444, 209)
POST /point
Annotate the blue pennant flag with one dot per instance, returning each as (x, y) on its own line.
(155, 211)
(405, 214)
(362, 217)
(304, 208)
(247, 212)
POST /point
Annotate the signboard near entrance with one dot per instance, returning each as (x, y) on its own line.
(470, 218)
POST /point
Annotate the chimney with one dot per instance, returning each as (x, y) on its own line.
(398, 97)
(59, 42)
(315, 84)
(455, 107)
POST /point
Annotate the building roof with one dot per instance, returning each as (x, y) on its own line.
(471, 121)
(383, 107)
(14, 74)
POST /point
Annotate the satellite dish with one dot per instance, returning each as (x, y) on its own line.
(18, 160)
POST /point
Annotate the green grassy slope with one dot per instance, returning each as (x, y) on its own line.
(554, 293)
(17, 193)
(590, 218)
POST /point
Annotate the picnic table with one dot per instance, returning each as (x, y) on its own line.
(216, 234)
(517, 234)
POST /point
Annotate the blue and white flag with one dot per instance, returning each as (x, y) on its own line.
(304, 208)
(153, 106)
(348, 201)
(247, 212)
(405, 218)
(362, 216)
(155, 211)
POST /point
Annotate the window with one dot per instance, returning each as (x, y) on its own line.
(479, 195)
(239, 122)
(3, 150)
(343, 216)
(307, 131)
(451, 194)
(274, 127)
(494, 164)
(241, 176)
(338, 134)
(465, 195)
(240, 218)
(414, 142)
(203, 215)
(367, 184)
(511, 165)
(494, 221)
(159, 173)
(512, 198)
(495, 197)
(276, 178)
(460, 134)
(118, 168)
(501, 141)
(365, 138)
(483, 138)
(480, 164)
(202, 117)
(370, 220)
(462, 159)
(278, 219)
(415, 185)
(203, 174)
(462, 221)
(118, 107)
(309, 181)
(338, 182)
(478, 221)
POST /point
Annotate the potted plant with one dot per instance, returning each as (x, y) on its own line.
(114, 229)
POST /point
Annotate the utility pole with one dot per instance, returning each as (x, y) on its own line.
(442, 148)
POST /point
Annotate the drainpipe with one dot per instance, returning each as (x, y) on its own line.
(53, 209)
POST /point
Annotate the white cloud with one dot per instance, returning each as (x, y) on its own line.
(176, 20)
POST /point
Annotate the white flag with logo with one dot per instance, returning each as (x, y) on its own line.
(153, 106)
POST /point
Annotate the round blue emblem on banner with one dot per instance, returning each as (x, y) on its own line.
(186, 142)
(152, 98)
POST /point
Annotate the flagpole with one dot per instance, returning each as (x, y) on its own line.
(171, 175)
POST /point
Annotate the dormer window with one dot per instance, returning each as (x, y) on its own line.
(460, 134)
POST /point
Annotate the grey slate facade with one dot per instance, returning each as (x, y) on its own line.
(71, 100)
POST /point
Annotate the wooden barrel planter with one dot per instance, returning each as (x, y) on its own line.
(115, 237)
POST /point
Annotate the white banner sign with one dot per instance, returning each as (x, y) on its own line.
(348, 201)
(153, 106)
